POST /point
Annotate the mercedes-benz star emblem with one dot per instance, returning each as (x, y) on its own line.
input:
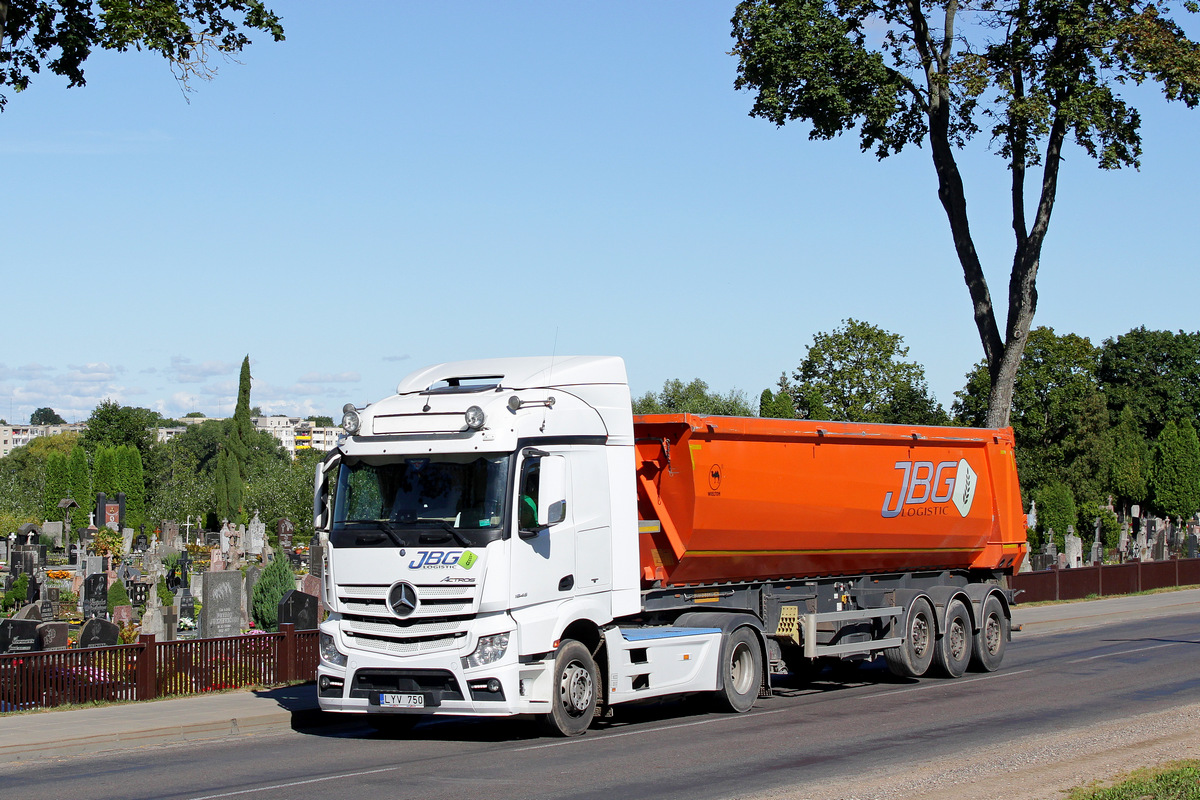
(402, 599)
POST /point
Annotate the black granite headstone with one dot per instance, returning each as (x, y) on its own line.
(18, 635)
(99, 633)
(299, 609)
(138, 593)
(52, 636)
(187, 605)
(95, 595)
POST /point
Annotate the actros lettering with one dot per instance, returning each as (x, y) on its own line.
(926, 487)
(435, 558)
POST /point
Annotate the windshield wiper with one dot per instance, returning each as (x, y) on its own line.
(387, 528)
(457, 535)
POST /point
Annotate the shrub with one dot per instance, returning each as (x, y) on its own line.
(276, 581)
(117, 596)
(17, 594)
(1055, 509)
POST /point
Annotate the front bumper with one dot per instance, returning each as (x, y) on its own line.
(446, 687)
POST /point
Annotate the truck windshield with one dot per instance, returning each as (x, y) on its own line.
(452, 499)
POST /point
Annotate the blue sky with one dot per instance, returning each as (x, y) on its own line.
(402, 183)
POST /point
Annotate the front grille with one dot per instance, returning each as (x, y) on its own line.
(409, 647)
(437, 682)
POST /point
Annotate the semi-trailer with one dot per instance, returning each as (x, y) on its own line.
(505, 537)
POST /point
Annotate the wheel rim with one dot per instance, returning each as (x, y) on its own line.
(741, 668)
(957, 636)
(575, 689)
(919, 636)
(991, 634)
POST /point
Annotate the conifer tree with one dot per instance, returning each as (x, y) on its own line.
(131, 480)
(80, 481)
(57, 486)
(276, 581)
(1129, 475)
(104, 471)
(237, 451)
(1175, 478)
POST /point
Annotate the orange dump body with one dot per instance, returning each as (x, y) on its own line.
(754, 499)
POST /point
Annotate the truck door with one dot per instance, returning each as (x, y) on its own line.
(543, 546)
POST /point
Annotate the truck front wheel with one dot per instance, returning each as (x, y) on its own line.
(575, 690)
(741, 671)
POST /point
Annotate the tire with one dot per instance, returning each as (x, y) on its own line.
(952, 653)
(991, 640)
(912, 658)
(575, 688)
(741, 671)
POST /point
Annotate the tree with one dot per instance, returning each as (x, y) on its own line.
(104, 471)
(857, 373)
(117, 596)
(81, 487)
(57, 486)
(46, 416)
(131, 480)
(320, 421)
(59, 35)
(677, 397)
(1055, 511)
(233, 461)
(113, 424)
(1175, 476)
(1031, 71)
(194, 415)
(777, 405)
(1129, 470)
(1055, 415)
(276, 581)
(1154, 373)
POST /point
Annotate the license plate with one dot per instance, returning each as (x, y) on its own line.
(387, 700)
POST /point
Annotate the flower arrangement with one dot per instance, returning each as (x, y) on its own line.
(58, 574)
(187, 624)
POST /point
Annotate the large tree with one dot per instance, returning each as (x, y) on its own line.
(59, 35)
(112, 424)
(46, 416)
(859, 372)
(1154, 373)
(1175, 475)
(1030, 72)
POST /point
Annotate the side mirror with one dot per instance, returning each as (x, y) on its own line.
(326, 472)
(552, 494)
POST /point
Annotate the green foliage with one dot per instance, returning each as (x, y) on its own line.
(857, 373)
(1129, 472)
(58, 36)
(194, 415)
(104, 471)
(1154, 373)
(46, 416)
(80, 479)
(1175, 475)
(284, 489)
(117, 596)
(677, 397)
(57, 486)
(1178, 780)
(131, 480)
(112, 424)
(320, 421)
(181, 488)
(233, 459)
(1055, 511)
(276, 581)
(776, 405)
(15, 596)
(165, 595)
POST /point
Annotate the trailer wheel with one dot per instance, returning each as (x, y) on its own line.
(741, 671)
(992, 638)
(575, 690)
(912, 658)
(953, 649)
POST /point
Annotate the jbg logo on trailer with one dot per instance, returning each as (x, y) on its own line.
(925, 488)
(443, 559)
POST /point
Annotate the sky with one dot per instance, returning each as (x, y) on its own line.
(405, 183)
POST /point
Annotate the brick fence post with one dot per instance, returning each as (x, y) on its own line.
(147, 668)
(287, 653)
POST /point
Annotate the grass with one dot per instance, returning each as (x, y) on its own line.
(1163, 590)
(1177, 780)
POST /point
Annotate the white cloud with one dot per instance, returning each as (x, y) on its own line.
(184, 371)
(328, 377)
(404, 357)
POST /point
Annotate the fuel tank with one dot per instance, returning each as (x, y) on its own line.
(740, 499)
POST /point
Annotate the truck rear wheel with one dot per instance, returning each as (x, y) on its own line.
(912, 658)
(575, 690)
(953, 649)
(991, 640)
(741, 671)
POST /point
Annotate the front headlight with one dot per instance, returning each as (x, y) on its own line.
(350, 420)
(489, 650)
(329, 652)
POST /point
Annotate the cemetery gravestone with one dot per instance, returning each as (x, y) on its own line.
(187, 606)
(98, 633)
(29, 611)
(212, 539)
(152, 623)
(316, 559)
(53, 636)
(122, 615)
(55, 531)
(252, 576)
(138, 591)
(18, 635)
(285, 530)
(299, 609)
(170, 624)
(95, 595)
(257, 536)
(222, 601)
(4, 550)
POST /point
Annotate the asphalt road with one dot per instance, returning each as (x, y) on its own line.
(828, 730)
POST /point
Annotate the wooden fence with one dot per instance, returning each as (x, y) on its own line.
(1103, 580)
(148, 669)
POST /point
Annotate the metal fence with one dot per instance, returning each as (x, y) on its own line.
(148, 669)
(1103, 580)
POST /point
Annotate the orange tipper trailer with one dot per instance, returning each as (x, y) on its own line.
(748, 499)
